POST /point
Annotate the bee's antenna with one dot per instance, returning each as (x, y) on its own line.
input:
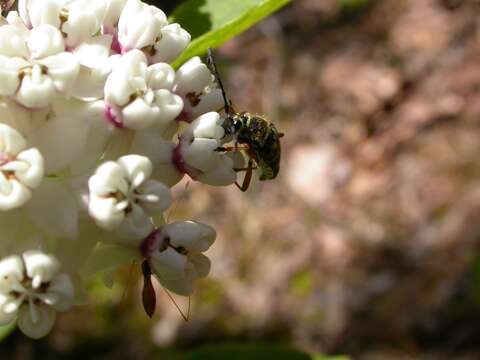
(213, 68)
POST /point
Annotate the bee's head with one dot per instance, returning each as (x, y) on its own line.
(236, 125)
(232, 124)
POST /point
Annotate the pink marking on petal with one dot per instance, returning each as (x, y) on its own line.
(14, 99)
(111, 114)
(116, 46)
(185, 116)
(151, 243)
(180, 163)
(5, 158)
(177, 159)
(124, 49)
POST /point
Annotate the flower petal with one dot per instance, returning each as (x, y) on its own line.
(54, 209)
(11, 273)
(44, 322)
(191, 235)
(63, 68)
(62, 139)
(174, 39)
(62, 286)
(45, 40)
(40, 267)
(10, 74)
(201, 263)
(160, 76)
(36, 90)
(169, 264)
(12, 42)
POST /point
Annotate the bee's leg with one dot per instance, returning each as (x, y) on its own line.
(247, 178)
(237, 147)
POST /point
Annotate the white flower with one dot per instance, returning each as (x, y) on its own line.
(138, 96)
(79, 20)
(34, 66)
(169, 44)
(96, 64)
(197, 86)
(83, 20)
(32, 290)
(21, 169)
(122, 197)
(196, 152)
(40, 12)
(112, 15)
(145, 27)
(175, 253)
(90, 114)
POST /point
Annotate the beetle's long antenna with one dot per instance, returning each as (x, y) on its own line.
(213, 68)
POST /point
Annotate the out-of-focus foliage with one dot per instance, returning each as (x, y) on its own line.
(352, 4)
(232, 351)
(213, 22)
(6, 330)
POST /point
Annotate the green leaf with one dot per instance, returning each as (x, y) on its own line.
(213, 22)
(6, 330)
(352, 4)
(258, 351)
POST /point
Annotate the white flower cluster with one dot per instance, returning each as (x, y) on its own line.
(95, 128)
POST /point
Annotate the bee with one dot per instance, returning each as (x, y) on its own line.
(254, 134)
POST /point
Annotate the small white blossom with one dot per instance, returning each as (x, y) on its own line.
(145, 27)
(79, 20)
(113, 11)
(40, 12)
(21, 169)
(197, 86)
(32, 290)
(175, 253)
(121, 194)
(96, 64)
(196, 152)
(138, 96)
(34, 66)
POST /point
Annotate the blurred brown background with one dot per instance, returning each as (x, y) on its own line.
(367, 243)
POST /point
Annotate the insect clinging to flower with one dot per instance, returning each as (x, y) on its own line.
(254, 134)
